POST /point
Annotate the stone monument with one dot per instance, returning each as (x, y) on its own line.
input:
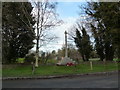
(66, 59)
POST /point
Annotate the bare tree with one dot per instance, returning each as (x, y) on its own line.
(46, 18)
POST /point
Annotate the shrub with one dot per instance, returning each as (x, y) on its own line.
(20, 60)
(30, 58)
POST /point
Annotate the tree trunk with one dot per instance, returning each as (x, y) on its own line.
(87, 58)
(119, 54)
(38, 37)
(101, 58)
(109, 53)
(83, 57)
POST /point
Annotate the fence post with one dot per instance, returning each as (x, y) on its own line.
(104, 60)
(91, 66)
(115, 62)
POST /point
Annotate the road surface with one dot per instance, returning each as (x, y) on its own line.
(87, 81)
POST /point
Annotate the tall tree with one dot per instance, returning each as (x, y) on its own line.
(78, 42)
(17, 30)
(108, 15)
(46, 18)
(87, 47)
(83, 43)
(99, 43)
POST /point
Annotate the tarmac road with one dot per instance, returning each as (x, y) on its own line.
(87, 81)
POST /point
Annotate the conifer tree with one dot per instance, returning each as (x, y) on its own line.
(107, 17)
(17, 30)
(83, 44)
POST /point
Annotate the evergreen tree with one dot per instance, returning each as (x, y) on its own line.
(83, 43)
(99, 44)
(17, 30)
(107, 15)
(78, 42)
(86, 44)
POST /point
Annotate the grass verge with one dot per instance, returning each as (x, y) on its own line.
(83, 67)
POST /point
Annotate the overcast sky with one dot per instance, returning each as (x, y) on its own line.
(69, 13)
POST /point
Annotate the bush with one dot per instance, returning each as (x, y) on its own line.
(30, 58)
(20, 60)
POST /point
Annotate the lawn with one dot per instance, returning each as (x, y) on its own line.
(83, 67)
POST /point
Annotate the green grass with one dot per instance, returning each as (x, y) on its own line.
(84, 67)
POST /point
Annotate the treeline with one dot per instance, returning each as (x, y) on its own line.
(104, 19)
(44, 57)
(18, 32)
